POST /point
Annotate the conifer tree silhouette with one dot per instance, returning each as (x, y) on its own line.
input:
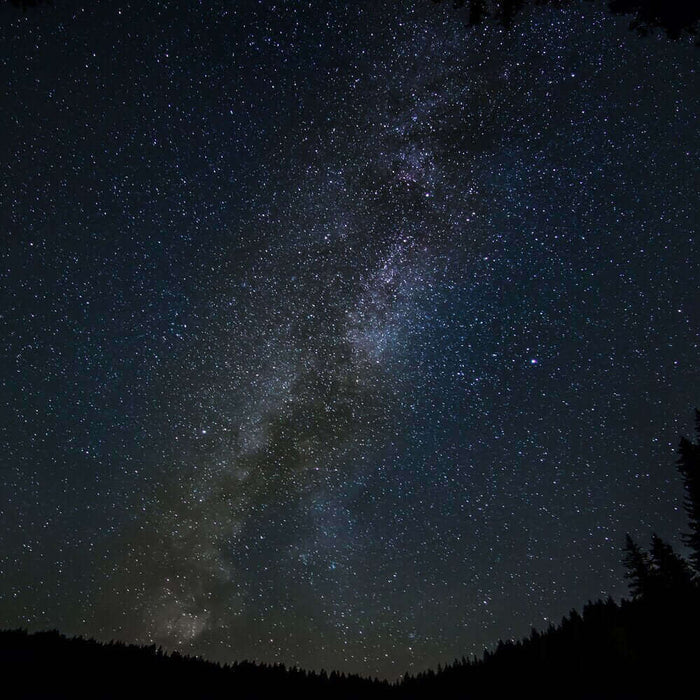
(689, 467)
(671, 574)
(638, 565)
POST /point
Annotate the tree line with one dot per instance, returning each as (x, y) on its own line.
(675, 17)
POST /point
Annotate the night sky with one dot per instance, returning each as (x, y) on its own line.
(338, 334)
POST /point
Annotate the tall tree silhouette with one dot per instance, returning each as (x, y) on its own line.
(638, 565)
(689, 467)
(670, 572)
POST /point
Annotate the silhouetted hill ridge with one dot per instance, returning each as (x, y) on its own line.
(48, 664)
(634, 649)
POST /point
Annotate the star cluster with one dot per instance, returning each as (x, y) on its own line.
(337, 334)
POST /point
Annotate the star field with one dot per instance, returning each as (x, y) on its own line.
(338, 334)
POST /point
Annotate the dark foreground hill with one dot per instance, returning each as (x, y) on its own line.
(49, 665)
(646, 648)
(637, 649)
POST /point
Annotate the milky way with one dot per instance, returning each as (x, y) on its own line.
(338, 334)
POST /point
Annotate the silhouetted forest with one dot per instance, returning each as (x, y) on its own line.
(675, 17)
(49, 665)
(640, 648)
